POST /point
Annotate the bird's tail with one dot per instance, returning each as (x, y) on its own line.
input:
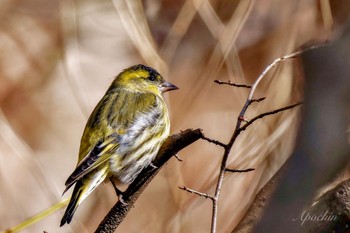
(82, 189)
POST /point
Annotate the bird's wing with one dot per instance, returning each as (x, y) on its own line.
(97, 155)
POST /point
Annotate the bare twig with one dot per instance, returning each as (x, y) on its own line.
(205, 195)
(232, 84)
(257, 100)
(244, 127)
(251, 102)
(216, 142)
(238, 129)
(238, 170)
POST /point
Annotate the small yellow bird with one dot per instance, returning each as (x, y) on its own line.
(123, 133)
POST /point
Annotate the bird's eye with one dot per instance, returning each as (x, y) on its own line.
(152, 78)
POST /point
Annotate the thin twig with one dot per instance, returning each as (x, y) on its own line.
(250, 102)
(216, 142)
(231, 84)
(258, 100)
(239, 171)
(205, 195)
(256, 209)
(244, 127)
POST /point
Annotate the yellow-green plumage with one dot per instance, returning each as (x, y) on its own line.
(123, 134)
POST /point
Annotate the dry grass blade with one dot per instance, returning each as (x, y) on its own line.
(228, 35)
(26, 156)
(133, 17)
(178, 30)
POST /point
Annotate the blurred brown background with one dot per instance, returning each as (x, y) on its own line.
(57, 59)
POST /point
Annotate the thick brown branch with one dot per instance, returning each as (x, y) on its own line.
(172, 145)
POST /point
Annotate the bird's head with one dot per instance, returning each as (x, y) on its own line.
(142, 78)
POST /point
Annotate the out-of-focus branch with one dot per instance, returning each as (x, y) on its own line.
(256, 209)
(331, 211)
(172, 145)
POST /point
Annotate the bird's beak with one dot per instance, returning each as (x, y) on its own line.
(166, 86)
